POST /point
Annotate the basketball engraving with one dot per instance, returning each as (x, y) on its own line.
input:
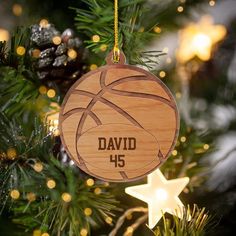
(131, 151)
(119, 123)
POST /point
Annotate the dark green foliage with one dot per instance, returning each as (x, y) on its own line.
(18, 95)
(195, 222)
(189, 150)
(133, 36)
(23, 128)
(48, 212)
(137, 18)
(18, 82)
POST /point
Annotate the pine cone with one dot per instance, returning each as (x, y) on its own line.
(59, 56)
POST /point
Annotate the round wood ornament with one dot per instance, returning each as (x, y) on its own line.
(119, 122)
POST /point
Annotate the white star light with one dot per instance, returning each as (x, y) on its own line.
(161, 195)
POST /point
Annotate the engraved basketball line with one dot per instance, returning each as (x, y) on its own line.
(98, 97)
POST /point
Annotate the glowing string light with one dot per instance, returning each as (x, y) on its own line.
(15, 194)
(17, 9)
(161, 195)
(4, 35)
(20, 50)
(198, 39)
(66, 197)
(83, 232)
(93, 67)
(96, 38)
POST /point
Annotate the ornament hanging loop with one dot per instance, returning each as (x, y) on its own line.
(116, 50)
(110, 58)
(116, 55)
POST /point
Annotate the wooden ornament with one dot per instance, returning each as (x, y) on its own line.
(119, 122)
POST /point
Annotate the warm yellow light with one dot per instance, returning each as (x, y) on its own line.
(3, 156)
(206, 146)
(93, 67)
(36, 53)
(201, 40)
(56, 122)
(106, 184)
(157, 29)
(129, 216)
(66, 197)
(72, 54)
(54, 128)
(51, 184)
(88, 211)
(90, 182)
(20, 50)
(15, 194)
(43, 23)
(52, 119)
(96, 38)
(31, 197)
(212, 3)
(56, 40)
(141, 29)
(53, 124)
(178, 95)
(17, 9)
(180, 9)
(97, 191)
(161, 195)
(45, 234)
(56, 132)
(42, 89)
(103, 47)
(162, 74)
(174, 152)
(37, 232)
(51, 93)
(202, 43)
(38, 167)
(198, 39)
(130, 230)
(108, 220)
(11, 153)
(4, 35)
(183, 139)
(83, 232)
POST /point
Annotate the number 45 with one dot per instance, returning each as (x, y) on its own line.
(118, 160)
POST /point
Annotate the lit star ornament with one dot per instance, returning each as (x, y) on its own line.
(198, 39)
(161, 195)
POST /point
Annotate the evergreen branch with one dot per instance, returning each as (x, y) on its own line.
(47, 211)
(98, 19)
(187, 158)
(19, 84)
(137, 223)
(3, 52)
(136, 23)
(198, 225)
(123, 217)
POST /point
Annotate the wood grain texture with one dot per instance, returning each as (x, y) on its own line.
(110, 111)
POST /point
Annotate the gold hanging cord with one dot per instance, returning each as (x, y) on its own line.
(116, 50)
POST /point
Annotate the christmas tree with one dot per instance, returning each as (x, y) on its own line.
(42, 191)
